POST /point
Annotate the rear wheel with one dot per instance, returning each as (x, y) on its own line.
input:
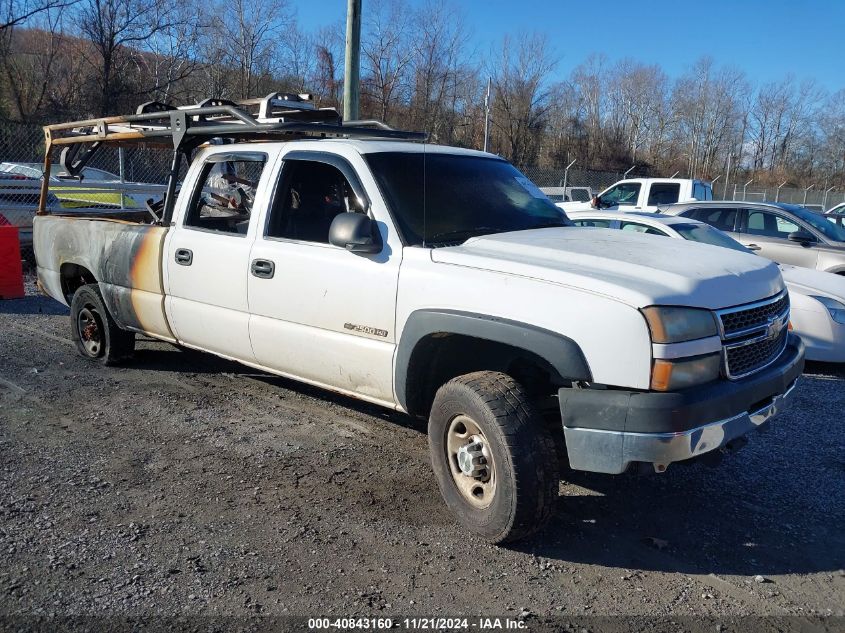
(94, 331)
(493, 457)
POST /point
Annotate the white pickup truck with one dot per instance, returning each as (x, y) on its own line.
(435, 281)
(644, 194)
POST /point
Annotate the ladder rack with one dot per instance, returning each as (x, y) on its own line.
(278, 116)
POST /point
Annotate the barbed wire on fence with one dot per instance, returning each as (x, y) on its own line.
(23, 143)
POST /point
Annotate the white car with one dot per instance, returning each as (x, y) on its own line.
(817, 297)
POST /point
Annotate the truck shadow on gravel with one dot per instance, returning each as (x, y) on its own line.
(749, 516)
(172, 358)
(693, 520)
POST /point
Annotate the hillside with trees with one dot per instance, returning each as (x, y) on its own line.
(65, 59)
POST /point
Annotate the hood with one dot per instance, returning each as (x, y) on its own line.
(808, 281)
(637, 269)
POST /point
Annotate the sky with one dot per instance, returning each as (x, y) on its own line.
(768, 39)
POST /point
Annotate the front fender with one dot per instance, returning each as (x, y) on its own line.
(562, 353)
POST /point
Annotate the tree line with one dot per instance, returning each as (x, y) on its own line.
(421, 69)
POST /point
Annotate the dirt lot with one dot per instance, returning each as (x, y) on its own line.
(187, 485)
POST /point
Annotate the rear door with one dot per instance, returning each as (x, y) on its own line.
(207, 253)
(319, 312)
(767, 232)
(725, 219)
(662, 194)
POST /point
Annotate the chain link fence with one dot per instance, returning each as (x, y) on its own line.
(113, 179)
(552, 182)
(816, 199)
(128, 177)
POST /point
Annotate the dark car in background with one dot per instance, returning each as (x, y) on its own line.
(785, 233)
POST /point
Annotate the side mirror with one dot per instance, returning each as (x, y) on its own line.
(802, 236)
(355, 232)
(596, 202)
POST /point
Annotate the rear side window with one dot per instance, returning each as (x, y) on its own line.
(664, 193)
(227, 185)
(636, 227)
(722, 219)
(599, 224)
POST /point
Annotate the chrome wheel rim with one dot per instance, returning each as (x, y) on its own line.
(90, 330)
(471, 461)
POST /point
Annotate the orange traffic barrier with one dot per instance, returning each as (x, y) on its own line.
(11, 272)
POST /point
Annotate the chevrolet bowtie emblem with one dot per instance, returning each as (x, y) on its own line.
(774, 328)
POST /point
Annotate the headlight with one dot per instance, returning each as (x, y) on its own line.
(671, 375)
(836, 309)
(676, 325)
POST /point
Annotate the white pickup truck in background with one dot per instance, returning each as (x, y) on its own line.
(379, 269)
(644, 194)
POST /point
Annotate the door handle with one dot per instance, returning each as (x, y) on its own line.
(753, 247)
(263, 268)
(184, 256)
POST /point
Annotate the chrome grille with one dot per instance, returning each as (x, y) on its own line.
(754, 335)
(747, 359)
(735, 323)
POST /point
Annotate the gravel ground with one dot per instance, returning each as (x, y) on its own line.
(185, 485)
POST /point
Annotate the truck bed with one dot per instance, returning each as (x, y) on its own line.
(122, 255)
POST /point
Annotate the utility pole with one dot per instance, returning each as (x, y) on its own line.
(487, 113)
(352, 62)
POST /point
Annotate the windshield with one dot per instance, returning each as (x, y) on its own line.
(444, 199)
(819, 222)
(708, 235)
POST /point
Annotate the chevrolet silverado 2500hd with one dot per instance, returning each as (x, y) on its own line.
(432, 280)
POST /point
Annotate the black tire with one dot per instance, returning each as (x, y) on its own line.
(94, 331)
(523, 487)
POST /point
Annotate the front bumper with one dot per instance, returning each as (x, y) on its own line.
(608, 430)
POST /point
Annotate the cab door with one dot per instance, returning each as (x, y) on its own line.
(207, 254)
(319, 312)
(624, 196)
(768, 232)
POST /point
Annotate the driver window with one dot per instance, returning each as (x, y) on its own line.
(625, 193)
(223, 201)
(310, 196)
(770, 225)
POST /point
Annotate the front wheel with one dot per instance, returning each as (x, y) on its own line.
(494, 459)
(94, 331)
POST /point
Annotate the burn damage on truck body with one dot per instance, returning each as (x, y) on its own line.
(122, 251)
(123, 257)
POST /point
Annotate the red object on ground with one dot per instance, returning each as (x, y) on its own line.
(11, 272)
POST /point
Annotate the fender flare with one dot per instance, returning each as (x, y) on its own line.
(561, 352)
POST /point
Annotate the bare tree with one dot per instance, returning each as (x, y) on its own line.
(522, 95)
(117, 30)
(19, 12)
(386, 56)
(28, 60)
(442, 72)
